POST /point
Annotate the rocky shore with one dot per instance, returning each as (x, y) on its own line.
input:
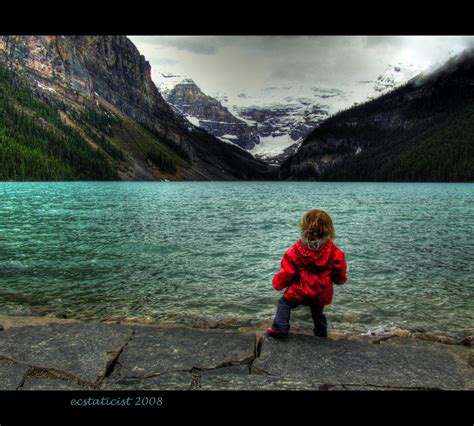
(58, 354)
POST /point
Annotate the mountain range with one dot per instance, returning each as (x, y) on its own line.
(272, 122)
(86, 108)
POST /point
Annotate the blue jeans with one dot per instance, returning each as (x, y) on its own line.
(282, 317)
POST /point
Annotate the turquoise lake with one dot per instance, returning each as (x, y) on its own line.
(170, 251)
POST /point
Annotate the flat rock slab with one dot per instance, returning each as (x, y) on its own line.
(346, 362)
(376, 388)
(152, 350)
(233, 369)
(36, 383)
(167, 381)
(11, 375)
(81, 350)
(259, 382)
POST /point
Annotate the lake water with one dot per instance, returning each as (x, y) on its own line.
(177, 250)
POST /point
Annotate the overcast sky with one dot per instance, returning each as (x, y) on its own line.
(233, 63)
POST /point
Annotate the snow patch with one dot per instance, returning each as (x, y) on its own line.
(229, 137)
(271, 146)
(193, 120)
(42, 86)
(169, 75)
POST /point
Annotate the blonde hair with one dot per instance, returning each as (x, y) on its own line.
(316, 224)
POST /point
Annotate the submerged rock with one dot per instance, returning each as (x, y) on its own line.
(436, 338)
(467, 341)
(400, 332)
(467, 332)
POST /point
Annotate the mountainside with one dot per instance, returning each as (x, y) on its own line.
(422, 131)
(208, 113)
(98, 91)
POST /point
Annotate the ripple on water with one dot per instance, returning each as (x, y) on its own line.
(210, 249)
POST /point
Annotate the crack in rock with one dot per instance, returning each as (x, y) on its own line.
(113, 357)
(156, 350)
(196, 380)
(78, 350)
(395, 363)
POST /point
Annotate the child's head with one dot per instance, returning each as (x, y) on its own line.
(316, 225)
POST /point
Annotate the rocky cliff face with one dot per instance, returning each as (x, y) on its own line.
(123, 77)
(48, 57)
(82, 69)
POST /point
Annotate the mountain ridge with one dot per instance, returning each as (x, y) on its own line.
(399, 135)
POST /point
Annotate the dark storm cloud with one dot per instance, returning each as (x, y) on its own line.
(209, 45)
(293, 71)
(322, 58)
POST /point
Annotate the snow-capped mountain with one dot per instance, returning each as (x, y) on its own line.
(208, 113)
(271, 122)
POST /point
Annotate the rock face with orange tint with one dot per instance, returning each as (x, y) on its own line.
(49, 57)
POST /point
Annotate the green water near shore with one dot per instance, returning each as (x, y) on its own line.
(167, 250)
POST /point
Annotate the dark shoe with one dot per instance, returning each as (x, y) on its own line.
(273, 332)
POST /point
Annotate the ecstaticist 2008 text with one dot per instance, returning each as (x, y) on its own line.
(120, 402)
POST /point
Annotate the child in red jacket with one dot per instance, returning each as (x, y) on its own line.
(308, 270)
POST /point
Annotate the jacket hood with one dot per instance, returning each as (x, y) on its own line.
(317, 257)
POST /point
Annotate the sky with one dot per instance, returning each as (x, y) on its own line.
(236, 63)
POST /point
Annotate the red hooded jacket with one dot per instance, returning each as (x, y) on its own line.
(309, 273)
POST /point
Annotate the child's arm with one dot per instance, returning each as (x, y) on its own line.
(339, 268)
(286, 274)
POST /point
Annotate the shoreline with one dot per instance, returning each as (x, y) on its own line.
(200, 322)
(166, 356)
